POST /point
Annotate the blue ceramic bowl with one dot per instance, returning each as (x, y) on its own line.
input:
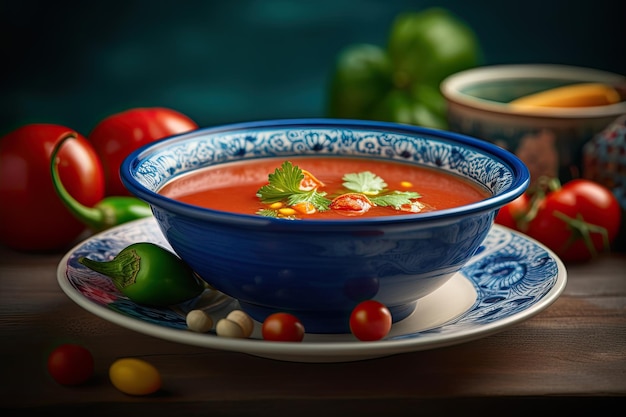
(319, 270)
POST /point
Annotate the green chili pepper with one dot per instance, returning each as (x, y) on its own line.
(110, 211)
(149, 274)
(400, 82)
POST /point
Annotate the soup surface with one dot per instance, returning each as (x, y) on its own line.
(322, 188)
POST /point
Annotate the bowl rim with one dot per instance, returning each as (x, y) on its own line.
(521, 175)
(451, 88)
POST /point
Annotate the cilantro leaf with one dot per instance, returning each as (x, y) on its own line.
(284, 182)
(284, 185)
(314, 197)
(364, 182)
(267, 213)
(395, 199)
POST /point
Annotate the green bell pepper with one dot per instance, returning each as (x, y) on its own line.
(400, 83)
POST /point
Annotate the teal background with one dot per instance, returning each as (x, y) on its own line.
(74, 63)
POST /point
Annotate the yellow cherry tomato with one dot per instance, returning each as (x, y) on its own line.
(134, 376)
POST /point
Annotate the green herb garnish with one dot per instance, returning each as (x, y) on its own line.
(395, 199)
(284, 185)
(267, 213)
(364, 182)
(284, 191)
(374, 186)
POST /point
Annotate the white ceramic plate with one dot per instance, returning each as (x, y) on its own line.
(510, 279)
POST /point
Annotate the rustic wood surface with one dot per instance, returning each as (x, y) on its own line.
(570, 357)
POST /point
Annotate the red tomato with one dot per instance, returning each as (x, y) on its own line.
(32, 216)
(116, 136)
(370, 320)
(70, 364)
(282, 327)
(578, 220)
(510, 214)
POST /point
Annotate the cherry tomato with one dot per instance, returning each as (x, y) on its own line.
(577, 220)
(510, 214)
(70, 364)
(32, 216)
(282, 327)
(370, 320)
(118, 135)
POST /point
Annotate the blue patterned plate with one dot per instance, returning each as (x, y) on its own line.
(510, 279)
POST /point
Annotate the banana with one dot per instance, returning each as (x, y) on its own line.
(575, 95)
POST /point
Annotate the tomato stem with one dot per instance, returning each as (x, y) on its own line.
(537, 193)
(583, 230)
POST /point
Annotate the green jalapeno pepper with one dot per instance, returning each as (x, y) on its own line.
(108, 212)
(149, 274)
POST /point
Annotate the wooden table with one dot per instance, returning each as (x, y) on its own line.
(571, 358)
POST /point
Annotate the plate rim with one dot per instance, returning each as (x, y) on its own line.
(304, 351)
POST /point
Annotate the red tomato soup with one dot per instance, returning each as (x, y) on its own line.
(323, 188)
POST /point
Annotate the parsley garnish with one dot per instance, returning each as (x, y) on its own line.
(364, 182)
(267, 213)
(395, 199)
(372, 185)
(284, 185)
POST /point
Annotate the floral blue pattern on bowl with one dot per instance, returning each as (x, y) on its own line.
(206, 148)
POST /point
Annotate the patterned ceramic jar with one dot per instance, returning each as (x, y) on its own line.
(604, 161)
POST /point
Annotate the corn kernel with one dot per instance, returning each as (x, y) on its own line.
(276, 205)
(406, 184)
(287, 211)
